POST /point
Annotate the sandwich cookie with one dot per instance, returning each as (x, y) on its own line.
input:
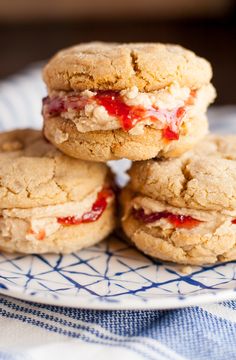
(184, 209)
(138, 101)
(50, 202)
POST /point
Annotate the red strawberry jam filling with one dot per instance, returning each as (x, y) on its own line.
(114, 104)
(94, 214)
(178, 221)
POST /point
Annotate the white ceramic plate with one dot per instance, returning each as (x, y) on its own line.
(112, 274)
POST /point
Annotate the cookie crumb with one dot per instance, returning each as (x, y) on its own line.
(186, 270)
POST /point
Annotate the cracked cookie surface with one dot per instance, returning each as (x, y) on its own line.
(137, 101)
(33, 173)
(184, 209)
(49, 201)
(102, 66)
(204, 178)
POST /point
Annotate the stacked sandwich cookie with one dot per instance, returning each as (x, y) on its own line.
(135, 101)
(49, 201)
(143, 102)
(184, 209)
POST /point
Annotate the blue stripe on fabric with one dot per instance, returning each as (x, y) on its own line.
(127, 343)
(71, 334)
(30, 311)
(193, 332)
(180, 330)
(230, 304)
(172, 328)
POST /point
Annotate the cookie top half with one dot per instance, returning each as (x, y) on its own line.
(204, 178)
(33, 173)
(103, 66)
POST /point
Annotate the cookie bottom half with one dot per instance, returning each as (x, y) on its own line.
(116, 144)
(66, 239)
(182, 247)
(180, 235)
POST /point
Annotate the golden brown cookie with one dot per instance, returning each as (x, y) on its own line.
(116, 144)
(50, 202)
(103, 66)
(139, 100)
(184, 210)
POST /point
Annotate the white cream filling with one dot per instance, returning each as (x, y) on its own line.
(32, 223)
(95, 117)
(208, 219)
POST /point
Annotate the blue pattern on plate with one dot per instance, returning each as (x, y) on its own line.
(111, 274)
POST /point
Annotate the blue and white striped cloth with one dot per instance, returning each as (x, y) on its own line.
(33, 331)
